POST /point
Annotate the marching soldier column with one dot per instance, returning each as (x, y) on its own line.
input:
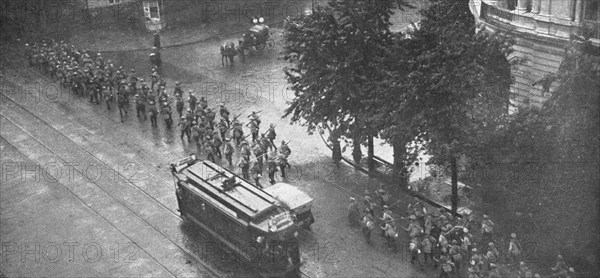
(217, 138)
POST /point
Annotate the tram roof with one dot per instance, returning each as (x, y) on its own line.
(243, 198)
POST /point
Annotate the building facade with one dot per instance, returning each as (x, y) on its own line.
(542, 30)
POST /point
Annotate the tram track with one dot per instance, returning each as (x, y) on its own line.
(114, 198)
(70, 141)
(140, 158)
(142, 161)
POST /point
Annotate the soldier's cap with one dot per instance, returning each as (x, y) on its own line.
(189, 109)
(352, 199)
(465, 230)
(474, 250)
(485, 216)
(194, 123)
(572, 270)
(534, 276)
(99, 54)
(412, 217)
(221, 104)
(385, 207)
(176, 82)
(132, 70)
(513, 235)
(454, 241)
(190, 92)
(522, 263)
(183, 117)
(490, 244)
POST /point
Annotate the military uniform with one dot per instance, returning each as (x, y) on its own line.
(140, 105)
(256, 173)
(228, 151)
(153, 114)
(244, 165)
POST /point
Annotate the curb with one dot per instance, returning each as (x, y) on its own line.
(385, 179)
(274, 24)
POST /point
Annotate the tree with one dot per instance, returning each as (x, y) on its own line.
(336, 52)
(457, 78)
(556, 153)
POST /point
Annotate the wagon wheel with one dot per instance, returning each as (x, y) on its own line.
(260, 46)
(270, 43)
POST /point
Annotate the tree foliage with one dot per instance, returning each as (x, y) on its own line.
(336, 52)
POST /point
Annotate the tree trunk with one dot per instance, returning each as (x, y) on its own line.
(454, 197)
(371, 155)
(336, 148)
(399, 167)
(356, 152)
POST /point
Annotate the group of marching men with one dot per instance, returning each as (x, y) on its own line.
(102, 81)
(220, 140)
(439, 239)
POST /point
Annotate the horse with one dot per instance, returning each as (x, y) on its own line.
(367, 224)
(228, 51)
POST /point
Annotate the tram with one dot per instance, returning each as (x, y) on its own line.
(246, 219)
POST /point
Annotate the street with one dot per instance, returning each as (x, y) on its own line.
(111, 179)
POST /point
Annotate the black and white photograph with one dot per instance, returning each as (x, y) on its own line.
(300, 138)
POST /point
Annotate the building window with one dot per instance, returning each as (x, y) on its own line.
(154, 10)
(114, 1)
(591, 11)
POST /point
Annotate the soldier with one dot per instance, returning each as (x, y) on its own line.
(455, 255)
(228, 151)
(153, 79)
(238, 132)
(121, 104)
(256, 174)
(285, 149)
(203, 103)
(253, 129)
(133, 79)
(492, 255)
(177, 91)
(153, 114)
(157, 40)
(390, 235)
(107, 97)
(446, 267)
(99, 60)
(196, 132)
(192, 100)
(418, 209)
(258, 153)
(353, 212)
(487, 228)
(217, 143)
(222, 127)
(271, 136)
(245, 149)
(254, 116)
(209, 149)
(224, 113)
(189, 116)
(244, 165)
(271, 167)
(210, 117)
(514, 248)
(265, 144)
(283, 163)
(179, 104)
(140, 105)
(428, 244)
(185, 128)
